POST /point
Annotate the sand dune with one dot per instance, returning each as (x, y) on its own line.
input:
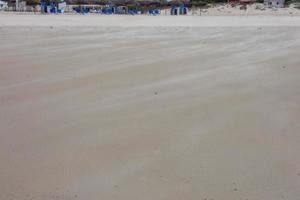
(149, 112)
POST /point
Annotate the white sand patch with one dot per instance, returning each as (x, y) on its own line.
(151, 113)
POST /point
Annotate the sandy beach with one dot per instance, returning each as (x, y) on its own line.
(149, 108)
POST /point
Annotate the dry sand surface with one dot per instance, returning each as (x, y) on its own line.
(250, 9)
(149, 113)
(71, 20)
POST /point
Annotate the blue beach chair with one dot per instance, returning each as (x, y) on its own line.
(174, 10)
(52, 8)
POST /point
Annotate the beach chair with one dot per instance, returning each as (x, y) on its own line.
(151, 12)
(86, 10)
(77, 10)
(133, 11)
(174, 10)
(157, 12)
(52, 8)
(44, 7)
(182, 9)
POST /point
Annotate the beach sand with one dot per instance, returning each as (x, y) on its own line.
(144, 112)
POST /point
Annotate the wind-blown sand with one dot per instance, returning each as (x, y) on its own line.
(151, 113)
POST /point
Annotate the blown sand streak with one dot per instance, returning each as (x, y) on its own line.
(149, 113)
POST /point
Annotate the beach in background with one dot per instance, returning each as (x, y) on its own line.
(149, 107)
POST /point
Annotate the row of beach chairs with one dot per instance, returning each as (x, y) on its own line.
(181, 10)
